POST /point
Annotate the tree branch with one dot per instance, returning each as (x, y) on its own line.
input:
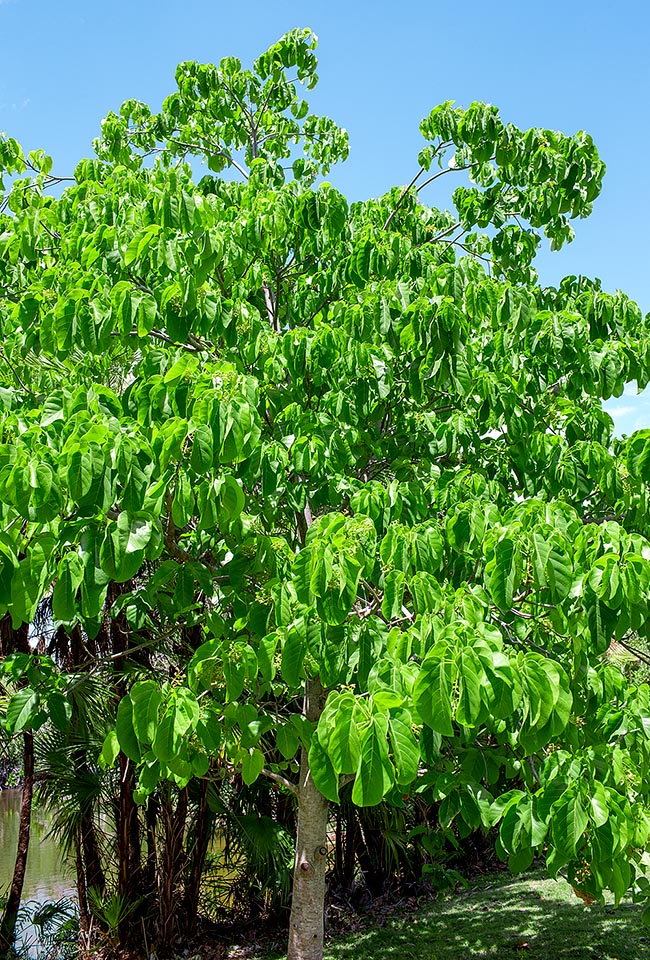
(441, 173)
(278, 778)
(401, 197)
(15, 373)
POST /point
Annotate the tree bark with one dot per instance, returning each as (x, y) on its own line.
(306, 923)
(8, 923)
(128, 852)
(84, 913)
(151, 865)
(91, 855)
(171, 865)
(196, 856)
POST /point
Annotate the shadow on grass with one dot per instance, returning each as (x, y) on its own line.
(529, 917)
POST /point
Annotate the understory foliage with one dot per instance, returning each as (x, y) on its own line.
(258, 442)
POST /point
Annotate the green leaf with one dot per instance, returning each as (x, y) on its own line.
(322, 771)
(234, 671)
(65, 605)
(109, 751)
(202, 457)
(338, 733)
(406, 751)
(205, 668)
(621, 878)
(231, 498)
(469, 678)
(252, 766)
(569, 822)
(59, 709)
(375, 773)
(501, 573)
(167, 741)
(23, 709)
(126, 735)
(294, 648)
(145, 699)
(638, 455)
(542, 686)
(184, 366)
(599, 807)
(393, 598)
(185, 709)
(183, 502)
(287, 741)
(122, 550)
(150, 774)
(432, 693)
(362, 257)
(79, 475)
(559, 571)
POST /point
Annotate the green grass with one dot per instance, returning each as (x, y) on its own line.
(528, 916)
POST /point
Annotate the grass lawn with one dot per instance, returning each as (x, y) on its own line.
(526, 916)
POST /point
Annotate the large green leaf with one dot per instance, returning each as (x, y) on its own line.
(65, 605)
(126, 735)
(405, 748)
(338, 733)
(287, 741)
(569, 822)
(122, 550)
(252, 766)
(468, 706)
(501, 573)
(79, 475)
(375, 773)
(432, 693)
(293, 652)
(322, 771)
(22, 710)
(145, 698)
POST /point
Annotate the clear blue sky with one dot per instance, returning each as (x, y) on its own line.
(568, 65)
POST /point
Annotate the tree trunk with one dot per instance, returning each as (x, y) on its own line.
(92, 857)
(306, 924)
(196, 856)
(128, 852)
(151, 865)
(171, 864)
(84, 913)
(8, 924)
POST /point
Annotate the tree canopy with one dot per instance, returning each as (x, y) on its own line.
(357, 450)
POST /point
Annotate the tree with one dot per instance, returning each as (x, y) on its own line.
(358, 451)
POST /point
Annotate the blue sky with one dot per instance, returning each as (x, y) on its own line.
(567, 65)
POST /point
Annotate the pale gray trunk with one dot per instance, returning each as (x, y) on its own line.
(308, 897)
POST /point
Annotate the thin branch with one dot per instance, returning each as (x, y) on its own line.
(531, 764)
(472, 253)
(159, 335)
(270, 305)
(278, 778)
(219, 152)
(240, 103)
(203, 345)
(633, 650)
(272, 87)
(15, 373)
(454, 240)
(444, 233)
(401, 197)
(441, 173)
(216, 148)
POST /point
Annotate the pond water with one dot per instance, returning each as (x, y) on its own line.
(48, 877)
